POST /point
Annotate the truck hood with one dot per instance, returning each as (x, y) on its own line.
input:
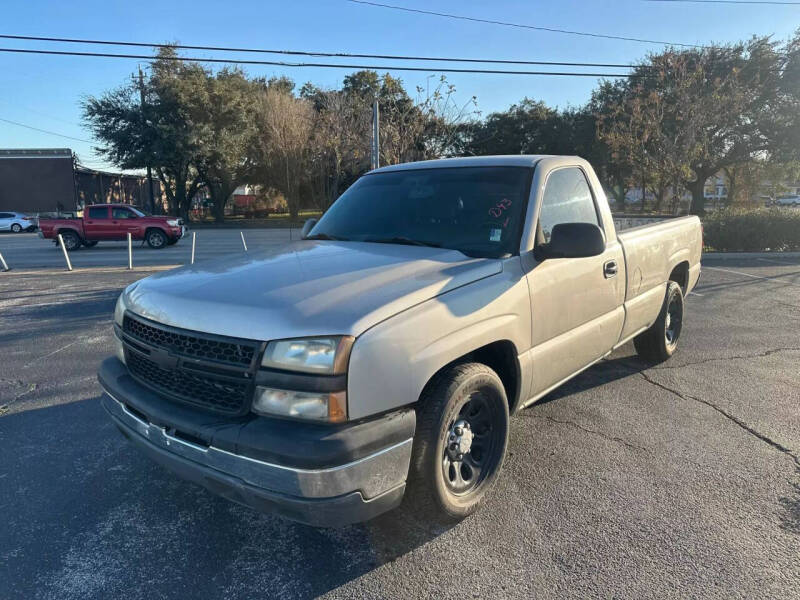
(304, 289)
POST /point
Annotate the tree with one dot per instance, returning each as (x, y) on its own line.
(157, 131)
(285, 125)
(225, 117)
(720, 107)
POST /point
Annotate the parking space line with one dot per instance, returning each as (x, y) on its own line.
(772, 279)
(51, 353)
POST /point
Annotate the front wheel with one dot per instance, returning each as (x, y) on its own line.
(156, 239)
(460, 443)
(659, 342)
(72, 240)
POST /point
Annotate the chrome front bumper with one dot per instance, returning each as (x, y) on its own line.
(331, 475)
(372, 475)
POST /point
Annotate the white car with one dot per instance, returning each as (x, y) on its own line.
(787, 201)
(16, 222)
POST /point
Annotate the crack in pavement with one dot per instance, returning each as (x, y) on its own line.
(738, 357)
(764, 438)
(592, 431)
(31, 388)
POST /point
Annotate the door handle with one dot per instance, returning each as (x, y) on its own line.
(610, 269)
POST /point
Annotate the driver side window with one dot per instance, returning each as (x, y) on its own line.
(567, 199)
(121, 213)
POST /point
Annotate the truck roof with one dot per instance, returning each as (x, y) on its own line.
(512, 160)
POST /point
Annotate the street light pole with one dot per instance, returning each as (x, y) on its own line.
(375, 161)
(149, 170)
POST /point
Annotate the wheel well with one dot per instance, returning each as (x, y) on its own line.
(64, 230)
(680, 275)
(153, 228)
(501, 357)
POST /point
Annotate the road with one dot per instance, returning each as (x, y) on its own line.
(680, 480)
(27, 250)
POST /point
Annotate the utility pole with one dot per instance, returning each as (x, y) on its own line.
(149, 169)
(376, 136)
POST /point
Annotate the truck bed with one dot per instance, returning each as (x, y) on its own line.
(651, 253)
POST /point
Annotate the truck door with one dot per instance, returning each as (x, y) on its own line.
(97, 224)
(124, 222)
(576, 303)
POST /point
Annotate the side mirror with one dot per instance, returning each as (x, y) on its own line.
(307, 226)
(573, 240)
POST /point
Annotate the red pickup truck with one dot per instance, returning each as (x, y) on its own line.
(108, 222)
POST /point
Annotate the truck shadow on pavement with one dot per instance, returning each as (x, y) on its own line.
(108, 522)
(790, 519)
(605, 371)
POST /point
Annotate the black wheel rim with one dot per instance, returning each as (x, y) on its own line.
(472, 444)
(672, 324)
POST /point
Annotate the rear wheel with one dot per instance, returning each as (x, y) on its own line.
(16, 227)
(460, 443)
(659, 342)
(72, 240)
(156, 239)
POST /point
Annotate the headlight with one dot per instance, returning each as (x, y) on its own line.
(324, 355)
(173, 222)
(119, 310)
(330, 407)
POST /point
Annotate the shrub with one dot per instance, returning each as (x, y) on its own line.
(753, 230)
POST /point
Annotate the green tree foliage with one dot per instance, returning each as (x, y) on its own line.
(683, 117)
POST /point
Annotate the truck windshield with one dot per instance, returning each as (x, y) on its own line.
(476, 210)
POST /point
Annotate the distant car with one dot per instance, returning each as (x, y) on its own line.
(16, 222)
(787, 201)
(106, 222)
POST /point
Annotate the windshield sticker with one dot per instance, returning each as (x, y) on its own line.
(497, 210)
(495, 235)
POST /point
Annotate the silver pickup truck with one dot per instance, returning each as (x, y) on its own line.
(378, 359)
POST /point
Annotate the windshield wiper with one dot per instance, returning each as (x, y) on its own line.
(325, 236)
(403, 240)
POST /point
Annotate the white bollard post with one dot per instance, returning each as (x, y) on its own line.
(194, 238)
(3, 262)
(130, 253)
(243, 242)
(66, 254)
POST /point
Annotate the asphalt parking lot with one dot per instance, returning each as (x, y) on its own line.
(27, 250)
(677, 481)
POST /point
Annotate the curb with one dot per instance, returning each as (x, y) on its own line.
(735, 255)
(84, 270)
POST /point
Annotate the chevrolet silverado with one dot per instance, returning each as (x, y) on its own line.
(378, 359)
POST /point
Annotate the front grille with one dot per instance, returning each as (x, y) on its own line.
(191, 343)
(195, 368)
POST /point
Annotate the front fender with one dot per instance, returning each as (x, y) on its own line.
(392, 362)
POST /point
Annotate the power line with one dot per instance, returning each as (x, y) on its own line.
(316, 65)
(524, 26)
(309, 53)
(69, 137)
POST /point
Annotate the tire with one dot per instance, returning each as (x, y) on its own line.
(72, 240)
(469, 398)
(172, 241)
(156, 239)
(90, 243)
(16, 228)
(659, 342)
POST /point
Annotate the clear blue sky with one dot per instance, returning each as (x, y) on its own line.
(45, 91)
